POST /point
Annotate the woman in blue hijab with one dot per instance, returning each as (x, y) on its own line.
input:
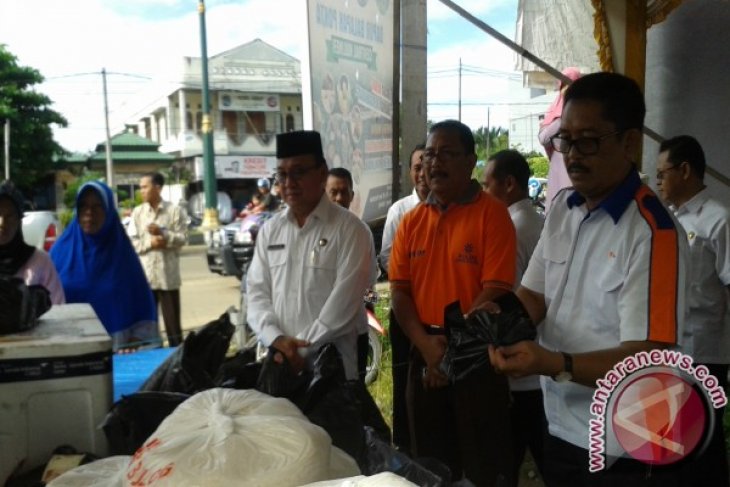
(98, 265)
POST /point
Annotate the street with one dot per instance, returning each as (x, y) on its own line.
(204, 296)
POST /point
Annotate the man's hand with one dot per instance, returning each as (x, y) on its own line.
(289, 348)
(154, 229)
(525, 358)
(158, 242)
(432, 348)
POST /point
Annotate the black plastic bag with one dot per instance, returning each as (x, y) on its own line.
(466, 349)
(21, 305)
(195, 363)
(240, 371)
(339, 406)
(383, 457)
(134, 418)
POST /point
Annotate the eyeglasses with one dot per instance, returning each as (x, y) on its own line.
(586, 146)
(295, 174)
(660, 172)
(444, 155)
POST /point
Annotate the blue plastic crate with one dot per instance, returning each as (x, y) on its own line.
(132, 369)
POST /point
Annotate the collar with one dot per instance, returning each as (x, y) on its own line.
(517, 206)
(694, 204)
(470, 195)
(615, 203)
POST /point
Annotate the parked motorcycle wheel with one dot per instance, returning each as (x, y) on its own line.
(375, 355)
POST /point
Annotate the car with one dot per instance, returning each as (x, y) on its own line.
(41, 229)
(230, 248)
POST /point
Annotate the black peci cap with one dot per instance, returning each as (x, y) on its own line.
(299, 143)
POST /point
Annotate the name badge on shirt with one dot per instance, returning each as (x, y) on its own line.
(275, 247)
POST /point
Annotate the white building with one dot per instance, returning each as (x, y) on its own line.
(255, 92)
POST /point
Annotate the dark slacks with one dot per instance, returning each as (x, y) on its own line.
(169, 302)
(529, 427)
(400, 347)
(710, 467)
(566, 465)
(465, 425)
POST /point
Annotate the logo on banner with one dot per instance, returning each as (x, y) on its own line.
(655, 407)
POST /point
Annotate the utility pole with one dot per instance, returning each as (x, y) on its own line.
(459, 89)
(210, 217)
(7, 148)
(488, 136)
(109, 165)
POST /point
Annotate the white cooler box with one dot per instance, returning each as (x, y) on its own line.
(55, 388)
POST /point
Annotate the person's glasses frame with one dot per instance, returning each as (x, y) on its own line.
(660, 172)
(586, 146)
(444, 155)
(295, 174)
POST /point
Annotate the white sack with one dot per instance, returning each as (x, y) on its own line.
(383, 479)
(107, 472)
(236, 438)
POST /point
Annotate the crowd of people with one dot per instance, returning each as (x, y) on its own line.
(612, 270)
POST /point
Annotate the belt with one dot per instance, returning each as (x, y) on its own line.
(434, 329)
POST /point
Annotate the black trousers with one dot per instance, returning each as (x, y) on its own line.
(529, 427)
(465, 425)
(400, 347)
(566, 465)
(710, 467)
(169, 302)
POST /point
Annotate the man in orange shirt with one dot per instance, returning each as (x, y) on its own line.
(458, 246)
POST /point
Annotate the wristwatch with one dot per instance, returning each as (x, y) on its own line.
(566, 375)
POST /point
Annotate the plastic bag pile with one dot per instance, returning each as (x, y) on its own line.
(224, 437)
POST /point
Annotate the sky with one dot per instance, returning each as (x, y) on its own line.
(140, 42)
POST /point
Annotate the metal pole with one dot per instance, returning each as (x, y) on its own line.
(210, 217)
(459, 89)
(109, 164)
(488, 136)
(7, 148)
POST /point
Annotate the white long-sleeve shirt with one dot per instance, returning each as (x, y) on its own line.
(395, 215)
(309, 282)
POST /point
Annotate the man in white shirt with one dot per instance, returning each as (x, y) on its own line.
(506, 177)
(339, 189)
(680, 180)
(607, 277)
(312, 263)
(399, 343)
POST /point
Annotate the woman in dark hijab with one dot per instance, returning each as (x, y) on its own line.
(17, 258)
(98, 265)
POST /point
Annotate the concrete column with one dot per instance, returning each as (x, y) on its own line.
(413, 99)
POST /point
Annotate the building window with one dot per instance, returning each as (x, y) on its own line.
(290, 123)
(199, 122)
(189, 120)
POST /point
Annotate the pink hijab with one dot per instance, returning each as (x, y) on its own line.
(556, 108)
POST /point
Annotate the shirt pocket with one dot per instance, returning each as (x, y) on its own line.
(556, 258)
(606, 319)
(702, 259)
(321, 267)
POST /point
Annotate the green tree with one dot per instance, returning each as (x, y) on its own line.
(498, 138)
(32, 147)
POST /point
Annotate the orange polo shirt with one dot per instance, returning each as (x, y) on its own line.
(452, 254)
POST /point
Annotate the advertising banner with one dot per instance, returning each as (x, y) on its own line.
(235, 167)
(351, 65)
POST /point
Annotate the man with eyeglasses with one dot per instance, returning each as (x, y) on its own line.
(680, 180)
(506, 178)
(607, 277)
(399, 344)
(312, 264)
(458, 245)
